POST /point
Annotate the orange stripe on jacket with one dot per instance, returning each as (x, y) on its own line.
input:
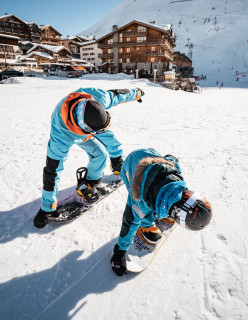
(64, 111)
(138, 95)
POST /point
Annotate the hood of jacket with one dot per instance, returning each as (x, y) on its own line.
(141, 177)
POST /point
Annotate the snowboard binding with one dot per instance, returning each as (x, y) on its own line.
(86, 188)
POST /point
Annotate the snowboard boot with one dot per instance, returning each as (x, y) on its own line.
(41, 219)
(164, 223)
(150, 235)
(116, 164)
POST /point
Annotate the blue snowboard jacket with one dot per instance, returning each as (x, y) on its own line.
(138, 213)
(65, 132)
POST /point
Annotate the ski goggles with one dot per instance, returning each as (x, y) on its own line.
(99, 131)
(190, 204)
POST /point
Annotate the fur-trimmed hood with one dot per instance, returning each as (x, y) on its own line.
(138, 175)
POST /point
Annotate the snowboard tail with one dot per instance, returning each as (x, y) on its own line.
(140, 254)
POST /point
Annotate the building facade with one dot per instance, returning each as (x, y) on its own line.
(50, 35)
(13, 26)
(90, 52)
(47, 53)
(183, 64)
(73, 44)
(138, 46)
(9, 49)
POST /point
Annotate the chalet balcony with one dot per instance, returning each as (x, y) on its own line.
(147, 42)
(158, 54)
(135, 33)
(106, 55)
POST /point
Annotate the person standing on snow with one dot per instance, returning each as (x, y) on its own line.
(156, 190)
(79, 119)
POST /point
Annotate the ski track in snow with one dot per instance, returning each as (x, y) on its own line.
(63, 271)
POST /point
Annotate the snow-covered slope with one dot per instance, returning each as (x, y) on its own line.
(216, 28)
(63, 272)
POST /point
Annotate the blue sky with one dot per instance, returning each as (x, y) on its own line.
(69, 17)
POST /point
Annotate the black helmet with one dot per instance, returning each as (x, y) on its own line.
(192, 212)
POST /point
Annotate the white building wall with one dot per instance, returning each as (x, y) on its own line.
(90, 53)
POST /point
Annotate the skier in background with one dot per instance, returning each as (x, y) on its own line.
(80, 118)
(156, 189)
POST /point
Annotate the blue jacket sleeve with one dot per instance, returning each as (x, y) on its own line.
(111, 98)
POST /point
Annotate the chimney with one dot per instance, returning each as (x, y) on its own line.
(6, 14)
(152, 22)
(114, 27)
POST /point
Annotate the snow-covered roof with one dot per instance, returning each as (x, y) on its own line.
(7, 36)
(25, 42)
(83, 44)
(164, 27)
(12, 15)
(75, 37)
(81, 61)
(54, 49)
(49, 26)
(40, 54)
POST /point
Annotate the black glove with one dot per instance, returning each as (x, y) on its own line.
(142, 93)
(116, 164)
(118, 261)
(41, 219)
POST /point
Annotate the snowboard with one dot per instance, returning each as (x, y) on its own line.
(74, 206)
(140, 254)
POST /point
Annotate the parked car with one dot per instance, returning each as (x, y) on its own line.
(8, 73)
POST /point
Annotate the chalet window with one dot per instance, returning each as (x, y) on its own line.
(120, 50)
(141, 39)
(128, 50)
(120, 37)
(141, 29)
(110, 41)
(153, 48)
(128, 39)
(129, 30)
(120, 60)
(110, 50)
(137, 48)
(152, 59)
(128, 60)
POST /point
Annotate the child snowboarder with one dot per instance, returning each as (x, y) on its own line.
(79, 119)
(156, 187)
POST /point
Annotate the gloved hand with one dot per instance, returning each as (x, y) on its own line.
(118, 261)
(41, 219)
(142, 93)
(116, 164)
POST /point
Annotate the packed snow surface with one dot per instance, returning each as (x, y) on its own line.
(63, 271)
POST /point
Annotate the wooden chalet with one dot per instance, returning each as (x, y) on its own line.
(47, 53)
(50, 35)
(138, 46)
(13, 26)
(8, 48)
(183, 64)
(73, 44)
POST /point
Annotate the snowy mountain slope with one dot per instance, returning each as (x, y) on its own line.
(217, 29)
(63, 272)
